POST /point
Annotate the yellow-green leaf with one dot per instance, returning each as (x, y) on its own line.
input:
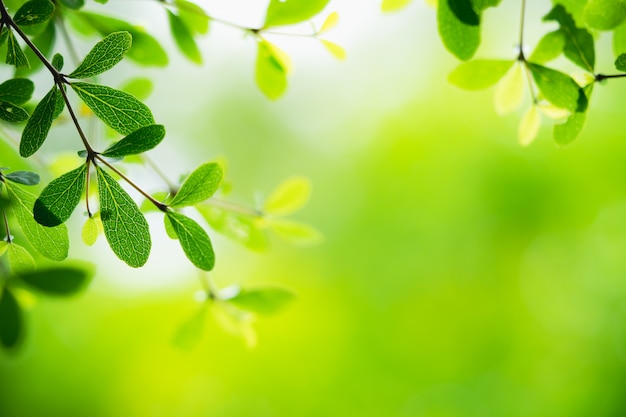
(509, 92)
(330, 22)
(20, 260)
(290, 196)
(529, 126)
(336, 50)
(90, 231)
(296, 232)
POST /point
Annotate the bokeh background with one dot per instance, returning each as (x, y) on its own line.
(461, 274)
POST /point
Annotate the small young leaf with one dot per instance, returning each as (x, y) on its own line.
(104, 55)
(194, 240)
(579, 44)
(169, 229)
(332, 20)
(479, 74)
(620, 63)
(23, 177)
(11, 331)
(559, 88)
(393, 5)
(119, 110)
(125, 227)
(12, 113)
(289, 12)
(459, 27)
(183, 37)
(19, 259)
(64, 280)
(51, 242)
(246, 231)
(33, 12)
(271, 72)
(262, 300)
(90, 231)
(57, 62)
(193, 15)
(529, 126)
(141, 140)
(604, 14)
(139, 87)
(336, 50)
(17, 90)
(15, 55)
(199, 185)
(60, 197)
(39, 124)
(548, 48)
(509, 92)
(295, 232)
(290, 196)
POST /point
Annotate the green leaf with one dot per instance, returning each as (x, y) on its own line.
(145, 49)
(619, 40)
(296, 232)
(184, 38)
(566, 133)
(262, 300)
(169, 229)
(529, 126)
(289, 12)
(4, 245)
(199, 185)
(271, 71)
(559, 88)
(579, 45)
(44, 41)
(550, 46)
(125, 227)
(73, 4)
(119, 110)
(34, 12)
(64, 280)
(57, 62)
(393, 5)
(193, 15)
(20, 260)
(139, 87)
(104, 55)
(17, 90)
(194, 240)
(479, 74)
(459, 27)
(23, 177)
(90, 231)
(604, 14)
(51, 242)
(12, 113)
(244, 230)
(15, 55)
(480, 5)
(11, 322)
(60, 197)
(39, 124)
(141, 140)
(290, 196)
(620, 63)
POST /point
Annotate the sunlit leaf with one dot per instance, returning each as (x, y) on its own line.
(579, 45)
(33, 12)
(288, 12)
(194, 240)
(17, 90)
(125, 227)
(20, 260)
(104, 55)
(550, 46)
(459, 27)
(64, 280)
(119, 110)
(23, 177)
(201, 184)
(559, 88)
(290, 196)
(193, 15)
(271, 72)
(529, 126)
(393, 5)
(57, 201)
(90, 232)
(331, 22)
(509, 92)
(296, 232)
(262, 300)
(553, 112)
(3, 246)
(183, 36)
(141, 140)
(241, 229)
(479, 74)
(15, 55)
(336, 50)
(604, 14)
(51, 242)
(38, 126)
(11, 322)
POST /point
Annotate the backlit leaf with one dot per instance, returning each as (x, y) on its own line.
(393, 5)
(479, 74)
(3, 246)
(459, 27)
(201, 184)
(51, 242)
(125, 227)
(64, 280)
(11, 322)
(262, 300)
(193, 15)
(331, 22)
(296, 232)
(290, 196)
(529, 126)
(23, 177)
(559, 88)
(38, 126)
(288, 12)
(550, 46)
(119, 110)
(194, 240)
(169, 229)
(141, 140)
(183, 37)
(20, 260)
(336, 50)
(604, 14)
(244, 230)
(509, 92)
(33, 12)
(271, 72)
(90, 231)
(57, 201)
(104, 55)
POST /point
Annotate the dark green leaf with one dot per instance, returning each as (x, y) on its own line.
(566, 133)
(15, 55)
(199, 185)
(57, 62)
(193, 15)
(550, 46)
(104, 55)
(271, 72)
(459, 27)
(11, 326)
(34, 12)
(559, 88)
(125, 227)
(12, 113)
(262, 300)
(119, 110)
(184, 38)
(620, 62)
(289, 12)
(604, 14)
(194, 240)
(65, 280)
(51, 242)
(39, 124)
(479, 74)
(60, 197)
(73, 4)
(17, 90)
(579, 45)
(141, 140)
(4, 35)
(23, 177)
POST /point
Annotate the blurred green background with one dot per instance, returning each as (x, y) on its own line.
(461, 274)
